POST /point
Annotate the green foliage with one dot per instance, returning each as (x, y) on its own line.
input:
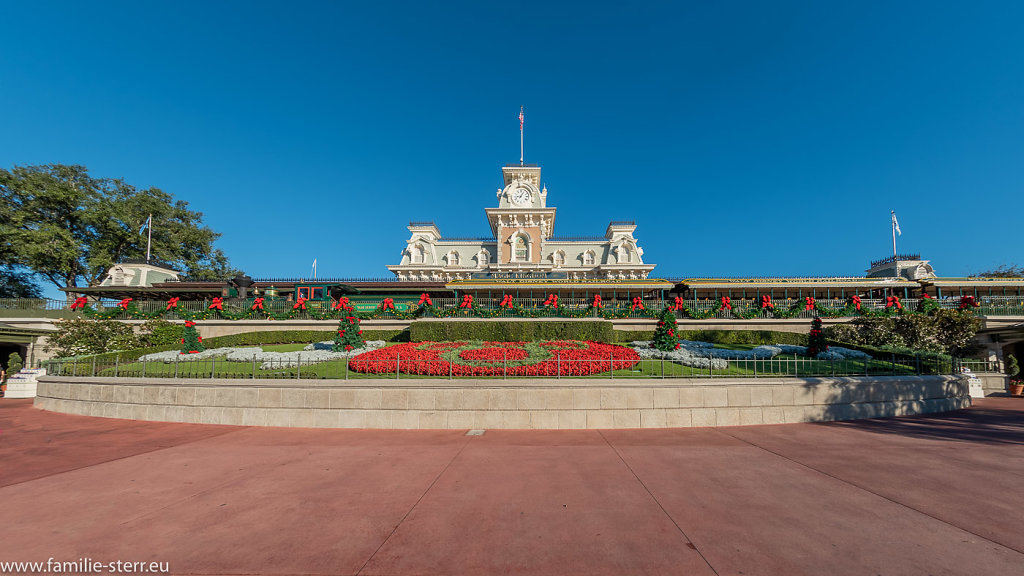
(754, 337)
(14, 364)
(191, 341)
(68, 226)
(946, 331)
(17, 284)
(816, 342)
(512, 331)
(77, 336)
(1012, 367)
(349, 335)
(157, 332)
(1003, 271)
(665, 337)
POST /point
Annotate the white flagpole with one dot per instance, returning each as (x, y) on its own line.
(149, 239)
(314, 268)
(521, 155)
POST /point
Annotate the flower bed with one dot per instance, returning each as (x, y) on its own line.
(553, 358)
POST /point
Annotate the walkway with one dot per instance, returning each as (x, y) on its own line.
(939, 494)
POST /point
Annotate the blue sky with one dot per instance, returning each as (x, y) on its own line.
(745, 138)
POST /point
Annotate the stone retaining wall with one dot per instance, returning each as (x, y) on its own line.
(493, 404)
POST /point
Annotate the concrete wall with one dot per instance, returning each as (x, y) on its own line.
(493, 404)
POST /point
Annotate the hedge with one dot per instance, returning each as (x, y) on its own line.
(514, 331)
(753, 337)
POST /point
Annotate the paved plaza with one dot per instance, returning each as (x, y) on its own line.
(937, 494)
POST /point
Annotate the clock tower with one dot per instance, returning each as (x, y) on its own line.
(522, 223)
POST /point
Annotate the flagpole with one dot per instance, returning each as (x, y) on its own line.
(149, 238)
(521, 155)
(893, 235)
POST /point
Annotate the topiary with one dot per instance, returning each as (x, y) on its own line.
(666, 338)
(14, 364)
(816, 342)
(1012, 368)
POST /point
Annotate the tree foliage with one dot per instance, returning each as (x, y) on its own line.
(666, 337)
(78, 336)
(70, 228)
(1003, 271)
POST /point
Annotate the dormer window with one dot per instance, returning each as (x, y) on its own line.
(588, 258)
(558, 259)
(453, 258)
(417, 254)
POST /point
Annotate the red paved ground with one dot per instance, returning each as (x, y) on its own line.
(925, 495)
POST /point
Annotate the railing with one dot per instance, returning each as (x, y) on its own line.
(888, 364)
(992, 306)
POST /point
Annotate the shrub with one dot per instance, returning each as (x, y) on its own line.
(14, 364)
(511, 331)
(665, 337)
(160, 332)
(77, 336)
(1012, 368)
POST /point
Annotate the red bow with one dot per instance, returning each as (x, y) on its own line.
(506, 302)
(552, 300)
(808, 303)
(257, 304)
(856, 301)
(925, 296)
(189, 324)
(766, 301)
(300, 304)
(79, 302)
(342, 304)
(467, 301)
(387, 304)
(637, 303)
(426, 298)
(726, 303)
(968, 302)
(172, 303)
(123, 304)
(597, 301)
(678, 304)
(218, 304)
(893, 301)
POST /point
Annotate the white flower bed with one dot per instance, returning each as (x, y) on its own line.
(701, 354)
(312, 354)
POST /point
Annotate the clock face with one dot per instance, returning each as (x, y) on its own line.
(521, 196)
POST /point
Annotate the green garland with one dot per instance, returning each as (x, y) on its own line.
(228, 311)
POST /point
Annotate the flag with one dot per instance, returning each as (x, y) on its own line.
(520, 117)
(146, 224)
(896, 224)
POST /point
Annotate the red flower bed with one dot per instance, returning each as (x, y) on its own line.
(568, 358)
(494, 354)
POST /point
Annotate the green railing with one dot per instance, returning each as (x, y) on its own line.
(888, 364)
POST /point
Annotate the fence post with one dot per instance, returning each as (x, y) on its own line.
(892, 360)
(253, 367)
(450, 369)
(117, 358)
(143, 366)
(346, 367)
(94, 366)
(298, 366)
(558, 364)
(796, 366)
(213, 366)
(611, 359)
(711, 367)
(504, 364)
(398, 365)
(176, 365)
(917, 363)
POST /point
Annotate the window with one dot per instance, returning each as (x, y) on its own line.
(522, 251)
(417, 254)
(588, 258)
(559, 259)
(627, 255)
(453, 258)
(482, 259)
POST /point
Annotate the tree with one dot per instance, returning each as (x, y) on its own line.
(78, 336)
(816, 343)
(1003, 271)
(666, 337)
(1012, 367)
(191, 342)
(15, 284)
(69, 227)
(14, 364)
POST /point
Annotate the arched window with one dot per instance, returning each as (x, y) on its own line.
(559, 259)
(417, 254)
(482, 259)
(627, 255)
(453, 258)
(588, 258)
(522, 250)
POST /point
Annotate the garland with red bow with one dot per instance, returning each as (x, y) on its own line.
(79, 303)
(893, 302)
(638, 302)
(217, 304)
(967, 303)
(552, 300)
